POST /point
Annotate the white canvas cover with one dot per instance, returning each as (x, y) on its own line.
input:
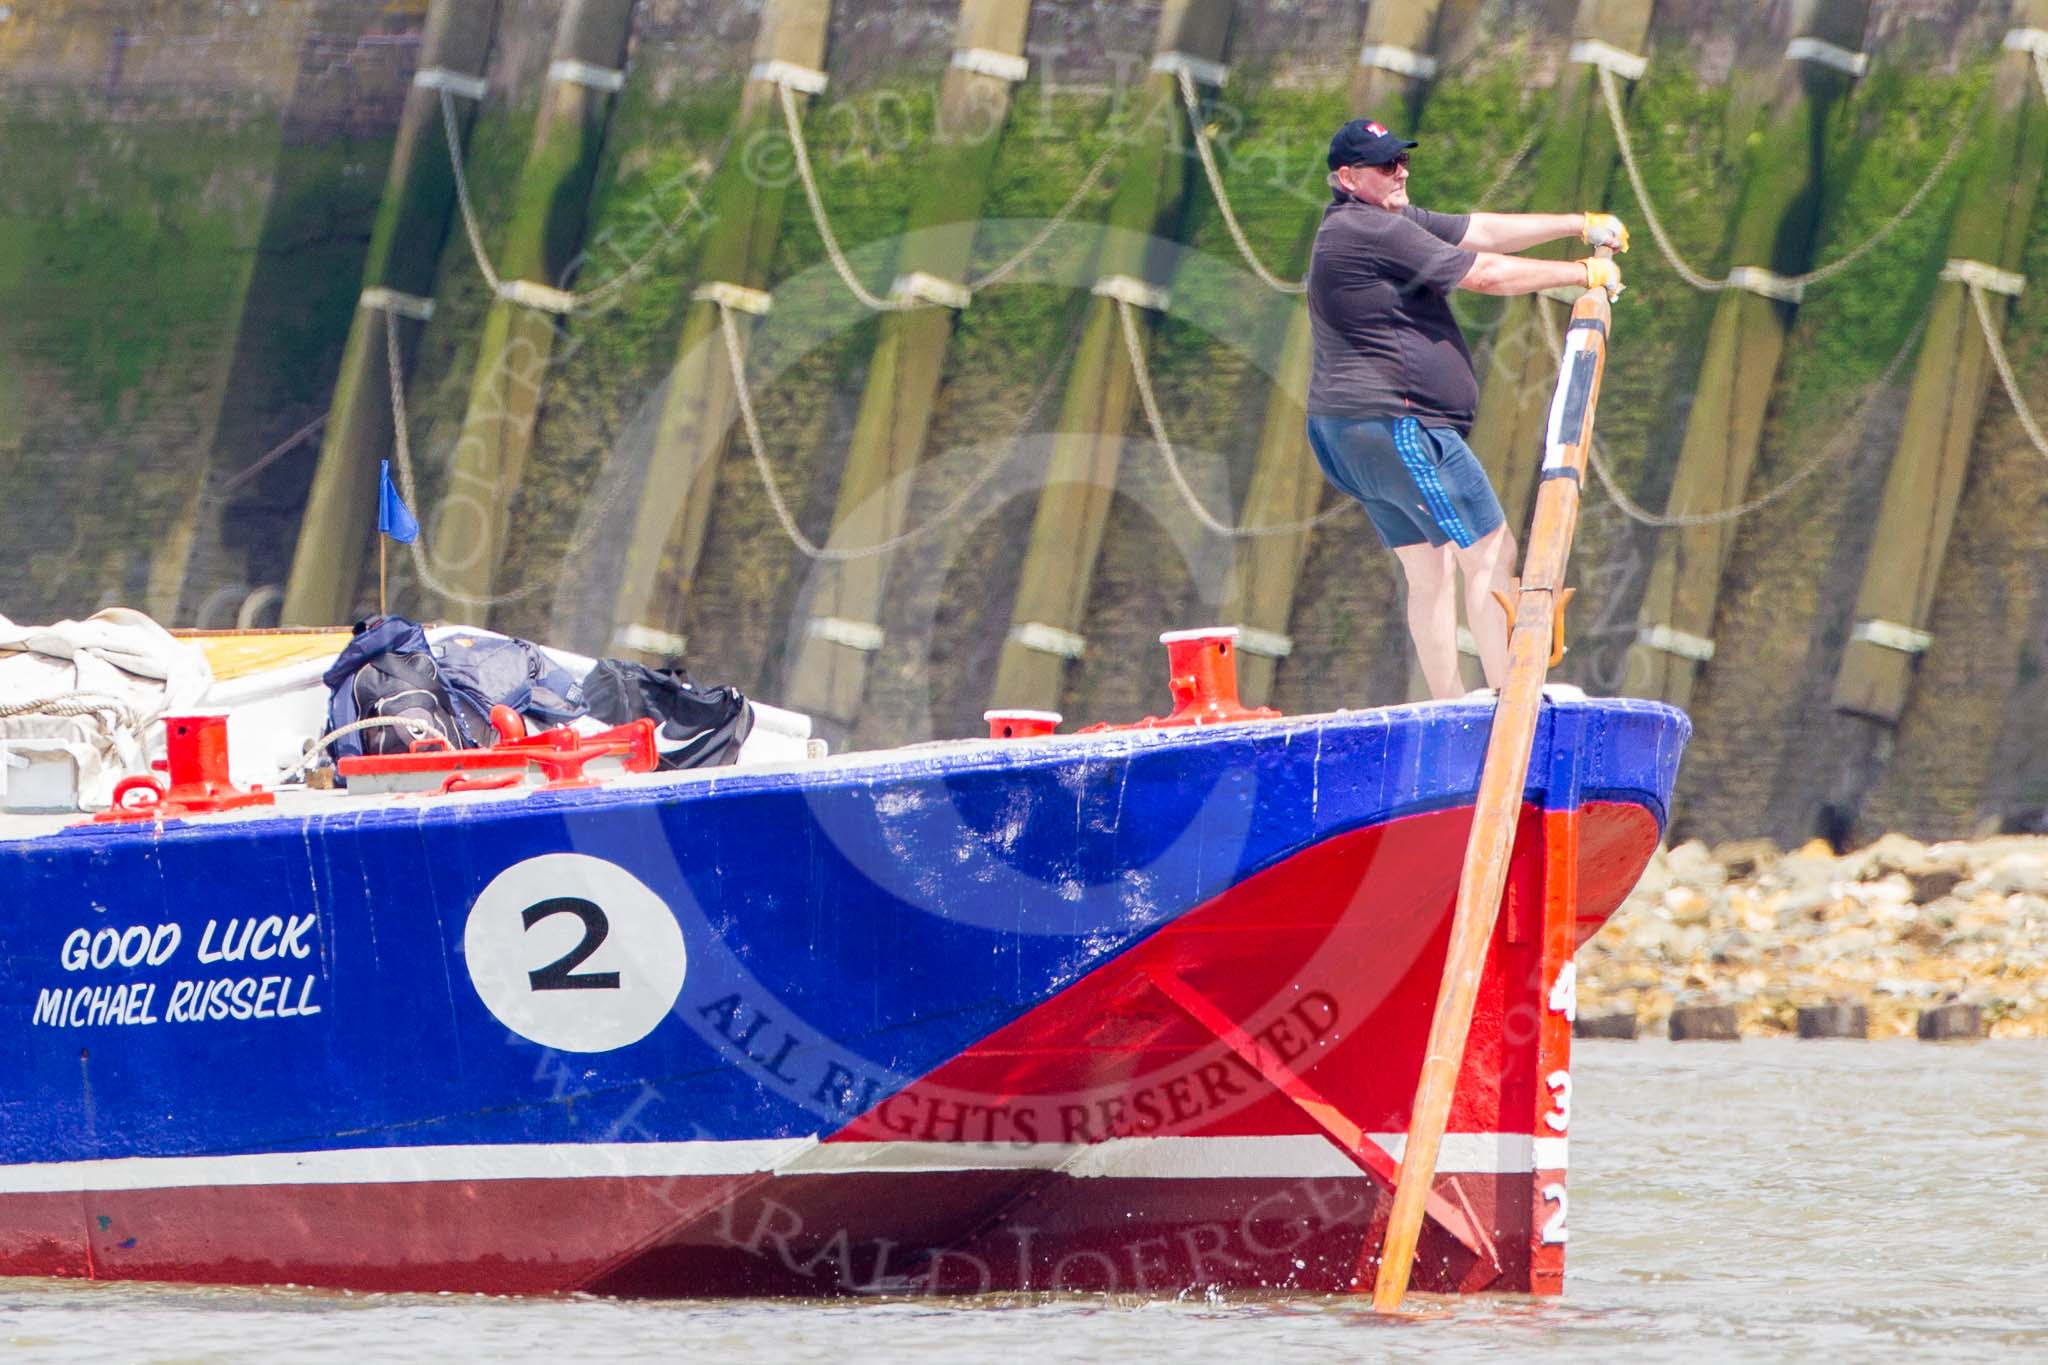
(91, 690)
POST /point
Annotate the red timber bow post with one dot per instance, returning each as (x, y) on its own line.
(1534, 646)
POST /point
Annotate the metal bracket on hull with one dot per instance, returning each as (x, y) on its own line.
(1375, 1160)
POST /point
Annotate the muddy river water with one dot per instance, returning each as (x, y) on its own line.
(1767, 1200)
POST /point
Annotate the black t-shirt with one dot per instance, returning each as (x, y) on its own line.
(1386, 343)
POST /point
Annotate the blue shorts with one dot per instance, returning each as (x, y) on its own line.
(1419, 484)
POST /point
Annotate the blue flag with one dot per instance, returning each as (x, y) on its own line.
(394, 518)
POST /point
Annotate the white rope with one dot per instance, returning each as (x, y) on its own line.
(800, 150)
(1149, 400)
(1052, 225)
(735, 355)
(401, 445)
(72, 704)
(472, 227)
(1193, 100)
(1508, 168)
(2003, 363)
(844, 267)
(1828, 454)
(417, 726)
(470, 224)
(1611, 97)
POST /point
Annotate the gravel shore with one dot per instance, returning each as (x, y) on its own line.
(1899, 927)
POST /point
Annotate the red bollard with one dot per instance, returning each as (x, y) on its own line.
(196, 764)
(1202, 675)
(1014, 724)
(1202, 668)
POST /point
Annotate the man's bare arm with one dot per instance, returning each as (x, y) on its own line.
(1508, 232)
(1494, 273)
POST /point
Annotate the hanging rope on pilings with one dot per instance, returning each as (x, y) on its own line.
(1193, 100)
(401, 444)
(790, 117)
(560, 301)
(1999, 360)
(1149, 400)
(1611, 97)
(1837, 447)
(1054, 224)
(800, 150)
(843, 267)
(736, 359)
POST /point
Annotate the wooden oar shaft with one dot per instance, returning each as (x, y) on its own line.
(1497, 806)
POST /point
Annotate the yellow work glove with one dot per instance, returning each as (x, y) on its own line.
(1603, 274)
(1604, 229)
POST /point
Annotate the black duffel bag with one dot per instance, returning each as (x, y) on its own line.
(700, 727)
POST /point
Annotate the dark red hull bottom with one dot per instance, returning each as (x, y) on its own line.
(955, 1232)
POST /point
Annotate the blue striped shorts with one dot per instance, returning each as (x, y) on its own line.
(1419, 484)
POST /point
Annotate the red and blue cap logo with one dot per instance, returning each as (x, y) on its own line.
(1366, 142)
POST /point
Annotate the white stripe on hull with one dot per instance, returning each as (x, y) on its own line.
(402, 1165)
(1281, 1157)
(1285, 1157)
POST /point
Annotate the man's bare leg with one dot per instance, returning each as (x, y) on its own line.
(1433, 615)
(1489, 564)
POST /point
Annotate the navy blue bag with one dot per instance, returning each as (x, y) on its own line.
(388, 671)
(483, 671)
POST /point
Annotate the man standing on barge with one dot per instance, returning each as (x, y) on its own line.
(1393, 392)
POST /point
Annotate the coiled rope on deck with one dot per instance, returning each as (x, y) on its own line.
(75, 704)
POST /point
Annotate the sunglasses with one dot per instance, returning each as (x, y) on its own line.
(1388, 166)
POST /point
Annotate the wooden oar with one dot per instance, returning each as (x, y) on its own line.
(1534, 646)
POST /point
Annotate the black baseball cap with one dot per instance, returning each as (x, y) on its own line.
(1363, 142)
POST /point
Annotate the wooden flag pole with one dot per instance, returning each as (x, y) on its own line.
(383, 546)
(1535, 645)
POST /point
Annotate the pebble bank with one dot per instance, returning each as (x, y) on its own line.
(1898, 927)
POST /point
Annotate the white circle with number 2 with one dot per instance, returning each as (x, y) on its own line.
(574, 953)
